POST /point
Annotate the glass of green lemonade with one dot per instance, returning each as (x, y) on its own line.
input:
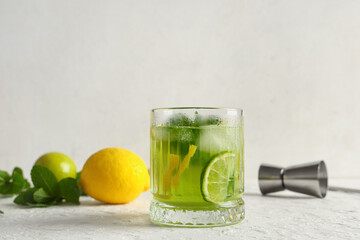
(197, 166)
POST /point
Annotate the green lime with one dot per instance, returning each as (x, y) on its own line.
(60, 164)
(217, 177)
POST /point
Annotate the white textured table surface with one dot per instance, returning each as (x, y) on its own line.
(283, 215)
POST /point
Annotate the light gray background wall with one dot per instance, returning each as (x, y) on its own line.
(78, 76)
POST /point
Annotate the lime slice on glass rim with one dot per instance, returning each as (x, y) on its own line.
(216, 177)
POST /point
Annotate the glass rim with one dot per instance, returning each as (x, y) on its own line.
(197, 108)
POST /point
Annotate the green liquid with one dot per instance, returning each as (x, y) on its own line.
(183, 189)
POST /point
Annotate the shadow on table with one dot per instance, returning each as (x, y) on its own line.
(283, 195)
(92, 214)
(99, 214)
(99, 220)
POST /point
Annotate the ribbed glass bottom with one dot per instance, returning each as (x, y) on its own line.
(164, 214)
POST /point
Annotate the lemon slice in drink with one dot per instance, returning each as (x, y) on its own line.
(217, 176)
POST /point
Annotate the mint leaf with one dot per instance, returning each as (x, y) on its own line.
(82, 193)
(18, 182)
(4, 176)
(27, 184)
(205, 121)
(13, 184)
(29, 195)
(27, 199)
(40, 204)
(2, 181)
(20, 199)
(41, 196)
(1, 212)
(180, 119)
(42, 177)
(5, 189)
(17, 170)
(69, 190)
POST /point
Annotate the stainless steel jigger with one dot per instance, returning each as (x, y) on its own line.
(309, 178)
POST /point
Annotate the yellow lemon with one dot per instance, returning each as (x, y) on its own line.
(114, 175)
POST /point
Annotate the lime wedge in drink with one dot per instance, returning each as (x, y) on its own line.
(217, 177)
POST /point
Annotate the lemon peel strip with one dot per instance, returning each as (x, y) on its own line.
(184, 165)
(174, 162)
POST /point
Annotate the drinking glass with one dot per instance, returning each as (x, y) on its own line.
(197, 166)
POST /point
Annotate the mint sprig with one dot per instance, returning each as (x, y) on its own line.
(182, 120)
(47, 191)
(14, 184)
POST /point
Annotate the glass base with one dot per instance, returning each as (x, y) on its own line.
(164, 214)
